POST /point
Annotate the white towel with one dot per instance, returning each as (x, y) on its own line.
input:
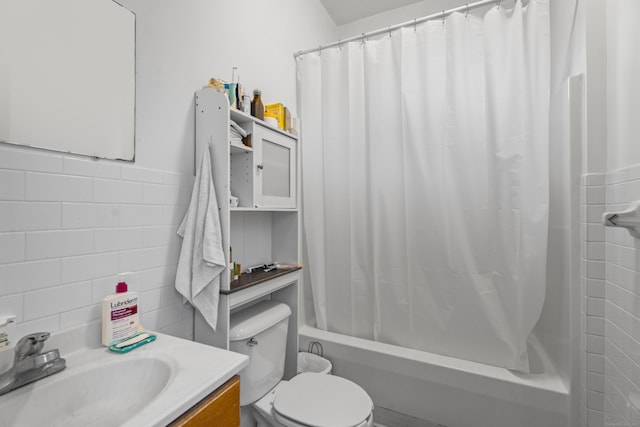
(202, 256)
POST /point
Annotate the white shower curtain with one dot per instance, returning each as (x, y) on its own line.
(425, 183)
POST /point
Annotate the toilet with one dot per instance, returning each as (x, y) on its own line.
(306, 400)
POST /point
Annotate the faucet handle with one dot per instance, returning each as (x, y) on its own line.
(31, 344)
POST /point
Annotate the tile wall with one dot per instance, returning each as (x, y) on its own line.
(69, 225)
(593, 290)
(622, 310)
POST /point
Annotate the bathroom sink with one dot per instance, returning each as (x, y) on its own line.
(150, 386)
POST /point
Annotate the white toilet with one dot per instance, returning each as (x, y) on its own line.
(308, 399)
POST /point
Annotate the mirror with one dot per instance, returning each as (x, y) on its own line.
(67, 76)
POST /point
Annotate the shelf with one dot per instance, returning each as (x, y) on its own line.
(239, 117)
(247, 280)
(239, 148)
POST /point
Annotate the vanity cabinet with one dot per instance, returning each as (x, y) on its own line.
(264, 227)
(220, 408)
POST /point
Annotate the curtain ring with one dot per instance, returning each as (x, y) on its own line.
(389, 30)
(340, 44)
(320, 50)
(363, 39)
(467, 14)
(415, 24)
(443, 17)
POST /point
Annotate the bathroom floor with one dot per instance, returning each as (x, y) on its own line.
(387, 418)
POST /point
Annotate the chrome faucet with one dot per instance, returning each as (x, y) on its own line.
(29, 364)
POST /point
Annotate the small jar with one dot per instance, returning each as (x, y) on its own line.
(257, 108)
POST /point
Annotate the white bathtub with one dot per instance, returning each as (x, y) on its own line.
(445, 390)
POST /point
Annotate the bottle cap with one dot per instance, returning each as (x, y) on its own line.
(121, 287)
(257, 92)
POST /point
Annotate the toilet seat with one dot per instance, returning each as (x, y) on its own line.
(320, 400)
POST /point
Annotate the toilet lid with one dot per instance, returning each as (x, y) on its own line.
(321, 400)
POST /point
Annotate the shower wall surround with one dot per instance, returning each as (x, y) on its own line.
(69, 225)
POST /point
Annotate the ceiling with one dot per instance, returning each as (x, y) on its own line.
(345, 11)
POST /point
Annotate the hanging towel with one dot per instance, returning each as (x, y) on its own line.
(202, 256)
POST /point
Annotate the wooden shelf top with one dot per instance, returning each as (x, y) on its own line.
(246, 280)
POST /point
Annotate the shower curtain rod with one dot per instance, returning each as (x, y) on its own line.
(439, 15)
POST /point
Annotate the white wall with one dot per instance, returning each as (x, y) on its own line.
(69, 225)
(180, 45)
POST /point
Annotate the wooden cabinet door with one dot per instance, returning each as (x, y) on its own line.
(220, 409)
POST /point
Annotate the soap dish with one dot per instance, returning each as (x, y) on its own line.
(128, 344)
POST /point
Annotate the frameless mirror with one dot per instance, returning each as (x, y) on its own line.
(67, 76)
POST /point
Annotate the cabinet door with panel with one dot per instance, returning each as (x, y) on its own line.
(274, 156)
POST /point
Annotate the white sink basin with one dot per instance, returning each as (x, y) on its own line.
(149, 386)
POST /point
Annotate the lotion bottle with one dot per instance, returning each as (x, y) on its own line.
(120, 319)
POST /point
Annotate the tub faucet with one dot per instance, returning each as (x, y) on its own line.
(29, 364)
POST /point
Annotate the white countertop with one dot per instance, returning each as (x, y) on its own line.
(189, 372)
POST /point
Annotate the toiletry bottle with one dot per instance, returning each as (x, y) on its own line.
(120, 319)
(257, 108)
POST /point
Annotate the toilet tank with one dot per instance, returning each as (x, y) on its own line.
(260, 332)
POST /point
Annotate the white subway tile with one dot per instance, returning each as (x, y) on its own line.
(115, 191)
(181, 179)
(116, 239)
(173, 215)
(596, 251)
(26, 216)
(595, 363)
(45, 302)
(595, 233)
(161, 318)
(13, 304)
(595, 418)
(595, 307)
(59, 243)
(595, 269)
(133, 173)
(88, 167)
(595, 400)
(161, 236)
(595, 382)
(595, 288)
(140, 215)
(181, 329)
(80, 316)
(29, 160)
(594, 214)
(44, 324)
(11, 185)
(595, 344)
(89, 215)
(43, 187)
(170, 254)
(159, 277)
(79, 268)
(595, 325)
(596, 195)
(595, 179)
(12, 247)
(140, 259)
(159, 194)
(27, 276)
(157, 298)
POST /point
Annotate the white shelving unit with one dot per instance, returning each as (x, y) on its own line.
(264, 227)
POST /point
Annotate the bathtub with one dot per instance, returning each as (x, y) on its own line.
(444, 390)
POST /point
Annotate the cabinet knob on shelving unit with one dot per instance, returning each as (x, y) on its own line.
(260, 167)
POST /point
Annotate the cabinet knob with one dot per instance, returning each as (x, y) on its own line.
(260, 166)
